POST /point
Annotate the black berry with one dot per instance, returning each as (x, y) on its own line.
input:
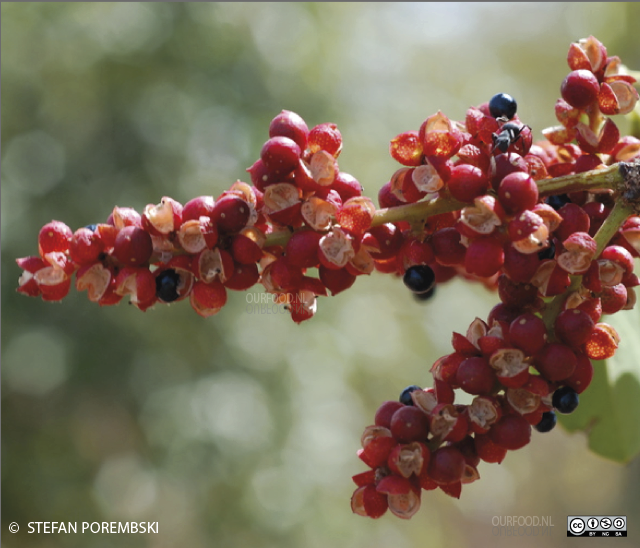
(547, 423)
(556, 202)
(167, 285)
(405, 396)
(426, 296)
(549, 252)
(565, 400)
(503, 105)
(419, 278)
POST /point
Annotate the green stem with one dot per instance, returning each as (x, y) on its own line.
(419, 211)
(621, 211)
(619, 214)
(608, 178)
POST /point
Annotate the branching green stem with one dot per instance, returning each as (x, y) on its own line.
(627, 204)
(610, 178)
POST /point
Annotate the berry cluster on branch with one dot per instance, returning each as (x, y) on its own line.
(553, 226)
(558, 263)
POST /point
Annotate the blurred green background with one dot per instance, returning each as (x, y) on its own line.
(241, 430)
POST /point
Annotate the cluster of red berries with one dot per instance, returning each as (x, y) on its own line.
(199, 250)
(529, 359)
(532, 357)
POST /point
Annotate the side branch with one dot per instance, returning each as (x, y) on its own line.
(622, 177)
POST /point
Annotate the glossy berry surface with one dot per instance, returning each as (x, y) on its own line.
(405, 396)
(557, 201)
(419, 278)
(547, 423)
(565, 400)
(426, 296)
(502, 105)
(580, 88)
(167, 285)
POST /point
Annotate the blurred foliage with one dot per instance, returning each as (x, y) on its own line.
(241, 430)
(610, 410)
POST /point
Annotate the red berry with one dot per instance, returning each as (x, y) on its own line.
(602, 343)
(506, 164)
(163, 218)
(447, 247)
(262, 177)
(518, 191)
(198, 207)
(573, 327)
(556, 362)
(133, 246)
(520, 267)
(516, 294)
(613, 298)
(574, 219)
(475, 376)
(409, 424)
(408, 459)
(246, 247)
(325, 137)
(487, 450)
(291, 125)
(511, 432)
(446, 465)
(528, 333)
(231, 213)
(124, 216)
(484, 256)
(366, 501)
(336, 281)
(467, 182)
(280, 154)
(580, 88)
(53, 237)
(208, 299)
(581, 377)
(347, 186)
(385, 241)
(386, 198)
(137, 282)
(406, 149)
(86, 246)
(302, 249)
(244, 276)
(385, 412)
